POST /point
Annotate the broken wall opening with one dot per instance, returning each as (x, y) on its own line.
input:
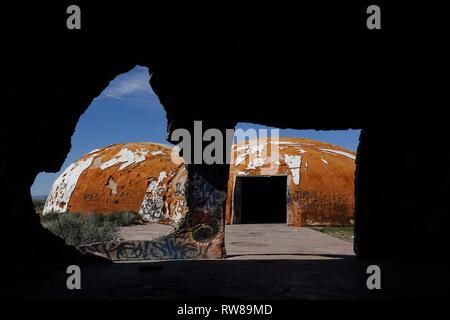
(99, 189)
(318, 168)
(260, 200)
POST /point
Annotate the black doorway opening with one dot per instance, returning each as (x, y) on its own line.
(263, 199)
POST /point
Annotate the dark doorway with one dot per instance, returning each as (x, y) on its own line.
(263, 199)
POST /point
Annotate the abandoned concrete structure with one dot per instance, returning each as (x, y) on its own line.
(133, 177)
(339, 76)
(306, 183)
(302, 183)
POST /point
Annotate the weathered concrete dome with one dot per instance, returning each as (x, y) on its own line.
(320, 179)
(139, 177)
(142, 177)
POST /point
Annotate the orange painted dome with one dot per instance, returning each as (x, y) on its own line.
(138, 177)
(320, 177)
(141, 177)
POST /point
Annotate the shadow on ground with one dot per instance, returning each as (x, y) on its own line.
(329, 277)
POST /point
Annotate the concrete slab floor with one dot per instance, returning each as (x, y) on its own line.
(147, 231)
(280, 241)
(260, 241)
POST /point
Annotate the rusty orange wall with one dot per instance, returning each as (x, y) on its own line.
(132, 177)
(325, 192)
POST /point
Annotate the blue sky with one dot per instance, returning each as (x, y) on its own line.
(348, 139)
(129, 111)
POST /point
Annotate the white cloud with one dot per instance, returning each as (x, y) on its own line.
(133, 83)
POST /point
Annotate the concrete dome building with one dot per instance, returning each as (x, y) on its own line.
(296, 181)
(300, 182)
(132, 177)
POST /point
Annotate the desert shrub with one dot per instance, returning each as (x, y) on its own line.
(39, 205)
(80, 230)
(48, 217)
(123, 218)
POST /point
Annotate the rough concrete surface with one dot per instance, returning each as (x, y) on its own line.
(259, 241)
(148, 231)
(139, 177)
(320, 178)
(279, 240)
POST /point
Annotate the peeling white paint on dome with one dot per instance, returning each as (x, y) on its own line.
(126, 157)
(250, 149)
(322, 183)
(155, 183)
(150, 190)
(257, 162)
(294, 163)
(239, 159)
(240, 148)
(256, 148)
(97, 161)
(296, 175)
(64, 185)
(112, 184)
(94, 151)
(342, 153)
(162, 176)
